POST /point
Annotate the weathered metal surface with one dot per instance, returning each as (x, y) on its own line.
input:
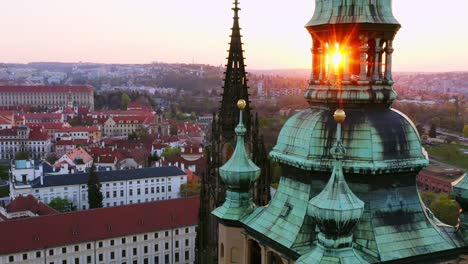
(384, 154)
(336, 210)
(350, 95)
(239, 174)
(329, 12)
(378, 140)
(284, 220)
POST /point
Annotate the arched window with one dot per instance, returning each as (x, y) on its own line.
(273, 258)
(255, 252)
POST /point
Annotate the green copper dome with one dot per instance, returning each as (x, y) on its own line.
(239, 173)
(352, 12)
(378, 140)
(336, 209)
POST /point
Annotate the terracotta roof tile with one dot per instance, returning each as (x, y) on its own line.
(90, 225)
(29, 203)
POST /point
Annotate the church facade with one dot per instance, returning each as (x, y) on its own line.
(347, 192)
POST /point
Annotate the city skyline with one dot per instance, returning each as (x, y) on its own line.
(121, 31)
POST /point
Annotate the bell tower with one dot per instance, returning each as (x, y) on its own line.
(352, 46)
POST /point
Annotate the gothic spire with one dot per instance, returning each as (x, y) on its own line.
(235, 81)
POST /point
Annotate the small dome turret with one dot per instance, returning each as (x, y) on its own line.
(239, 174)
(336, 211)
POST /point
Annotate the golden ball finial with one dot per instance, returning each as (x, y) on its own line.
(241, 104)
(339, 115)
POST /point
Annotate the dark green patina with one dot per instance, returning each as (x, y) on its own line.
(239, 174)
(384, 154)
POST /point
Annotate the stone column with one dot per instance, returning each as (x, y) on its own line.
(388, 61)
(245, 244)
(381, 61)
(363, 63)
(378, 50)
(313, 51)
(264, 254)
(321, 74)
(346, 64)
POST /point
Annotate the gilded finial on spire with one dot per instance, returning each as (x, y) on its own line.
(241, 104)
(339, 115)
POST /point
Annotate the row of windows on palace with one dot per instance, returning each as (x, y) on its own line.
(44, 96)
(114, 193)
(36, 151)
(147, 248)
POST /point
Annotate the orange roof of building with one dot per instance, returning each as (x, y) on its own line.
(91, 225)
(29, 203)
(79, 153)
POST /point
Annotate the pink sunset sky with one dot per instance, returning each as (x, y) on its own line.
(434, 36)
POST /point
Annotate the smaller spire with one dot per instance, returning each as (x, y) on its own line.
(336, 211)
(239, 174)
(236, 9)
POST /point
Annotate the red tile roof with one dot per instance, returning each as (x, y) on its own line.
(47, 116)
(38, 135)
(79, 153)
(78, 129)
(68, 111)
(9, 132)
(48, 125)
(5, 121)
(105, 159)
(131, 119)
(138, 106)
(90, 225)
(106, 151)
(47, 89)
(82, 142)
(120, 113)
(29, 203)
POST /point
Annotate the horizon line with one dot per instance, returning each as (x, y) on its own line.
(195, 63)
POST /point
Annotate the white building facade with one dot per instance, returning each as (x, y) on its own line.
(120, 187)
(34, 141)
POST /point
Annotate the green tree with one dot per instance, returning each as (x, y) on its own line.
(428, 198)
(124, 100)
(94, 189)
(446, 210)
(465, 131)
(62, 205)
(4, 174)
(170, 152)
(74, 122)
(22, 155)
(191, 188)
(433, 131)
(133, 136)
(52, 158)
